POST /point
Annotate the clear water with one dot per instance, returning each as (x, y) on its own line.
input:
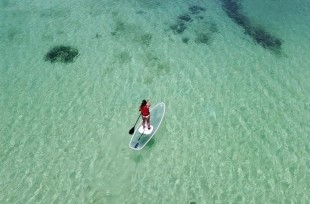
(236, 128)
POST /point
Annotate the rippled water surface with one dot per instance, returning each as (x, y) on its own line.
(234, 77)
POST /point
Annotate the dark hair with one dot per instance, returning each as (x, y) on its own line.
(143, 103)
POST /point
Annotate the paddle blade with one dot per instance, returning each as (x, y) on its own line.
(131, 131)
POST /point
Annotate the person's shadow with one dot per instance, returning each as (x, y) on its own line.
(137, 158)
(151, 143)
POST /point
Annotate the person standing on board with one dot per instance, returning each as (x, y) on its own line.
(145, 113)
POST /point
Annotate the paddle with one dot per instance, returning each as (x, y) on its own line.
(132, 130)
(139, 139)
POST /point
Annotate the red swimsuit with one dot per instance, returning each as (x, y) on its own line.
(144, 111)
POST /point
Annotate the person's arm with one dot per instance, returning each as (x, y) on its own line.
(148, 103)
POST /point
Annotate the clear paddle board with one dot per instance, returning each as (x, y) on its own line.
(142, 136)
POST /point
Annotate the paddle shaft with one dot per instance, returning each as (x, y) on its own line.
(139, 139)
(137, 120)
(132, 130)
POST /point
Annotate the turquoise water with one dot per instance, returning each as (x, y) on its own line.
(236, 128)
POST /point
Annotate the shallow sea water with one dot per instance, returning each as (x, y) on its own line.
(236, 128)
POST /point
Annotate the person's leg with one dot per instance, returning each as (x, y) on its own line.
(148, 122)
(144, 121)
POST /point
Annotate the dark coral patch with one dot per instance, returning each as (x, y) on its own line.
(265, 39)
(205, 30)
(185, 18)
(182, 21)
(232, 9)
(98, 35)
(259, 35)
(146, 39)
(196, 9)
(203, 38)
(64, 54)
(119, 28)
(185, 40)
(178, 28)
(199, 17)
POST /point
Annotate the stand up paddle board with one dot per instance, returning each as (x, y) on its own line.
(142, 135)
